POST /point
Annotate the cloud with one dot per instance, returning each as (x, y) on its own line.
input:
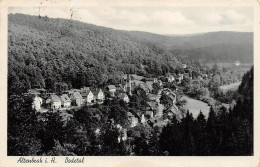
(132, 17)
(173, 18)
(234, 17)
(157, 20)
(213, 18)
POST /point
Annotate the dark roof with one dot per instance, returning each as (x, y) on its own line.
(86, 93)
(96, 91)
(85, 89)
(77, 95)
(33, 91)
(65, 98)
(55, 98)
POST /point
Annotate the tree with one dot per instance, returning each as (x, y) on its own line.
(60, 150)
(156, 87)
(22, 127)
(200, 136)
(211, 132)
(166, 101)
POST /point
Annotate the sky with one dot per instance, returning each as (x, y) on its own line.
(159, 20)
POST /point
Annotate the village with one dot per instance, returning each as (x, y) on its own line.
(76, 98)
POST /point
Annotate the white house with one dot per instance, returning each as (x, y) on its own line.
(143, 119)
(99, 95)
(87, 95)
(76, 99)
(151, 79)
(169, 78)
(124, 97)
(54, 101)
(111, 89)
(37, 103)
(65, 101)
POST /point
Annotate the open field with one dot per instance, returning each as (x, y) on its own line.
(195, 106)
(232, 86)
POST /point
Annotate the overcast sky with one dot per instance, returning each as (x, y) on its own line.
(159, 20)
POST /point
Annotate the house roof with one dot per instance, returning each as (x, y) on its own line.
(149, 83)
(85, 89)
(111, 87)
(137, 82)
(133, 76)
(86, 93)
(65, 98)
(150, 79)
(77, 95)
(54, 98)
(148, 112)
(129, 114)
(152, 105)
(122, 95)
(33, 91)
(144, 87)
(148, 86)
(96, 91)
(37, 98)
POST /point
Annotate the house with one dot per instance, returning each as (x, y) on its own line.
(120, 87)
(37, 102)
(76, 99)
(144, 87)
(182, 76)
(133, 77)
(143, 119)
(149, 114)
(132, 119)
(87, 95)
(171, 94)
(153, 105)
(99, 95)
(149, 85)
(204, 76)
(54, 102)
(135, 83)
(41, 90)
(160, 82)
(151, 79)
(179, 78)
(65, 101)
(34, 92)
(187, 75)
(122, 135)
(169, 78)
(124, 97)
(184, 65)
(111, 89)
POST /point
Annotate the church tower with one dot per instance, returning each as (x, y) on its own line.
(128, 85)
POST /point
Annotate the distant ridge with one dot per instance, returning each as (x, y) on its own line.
(221, 46)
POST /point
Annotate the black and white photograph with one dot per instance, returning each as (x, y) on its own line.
(130, 81)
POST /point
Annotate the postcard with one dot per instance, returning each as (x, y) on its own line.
(129, 83)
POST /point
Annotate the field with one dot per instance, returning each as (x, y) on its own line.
(195, 106)
(232, 86)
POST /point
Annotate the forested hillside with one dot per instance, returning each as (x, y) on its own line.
(209, 47)
(44, 51)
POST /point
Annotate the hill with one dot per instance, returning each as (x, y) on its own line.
(44, 52)
(213, 46)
